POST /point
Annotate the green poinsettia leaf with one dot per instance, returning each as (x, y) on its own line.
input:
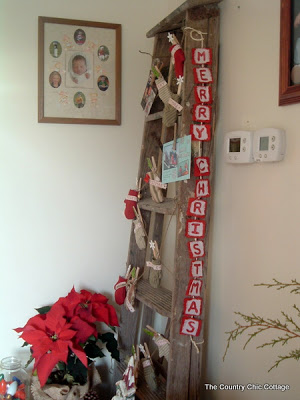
(93, 351)
(77, 370)
(111, 344)
(25, 344)
(92, 338)
(43, 310)
(29, 361)
(69, 378)
(61, 366)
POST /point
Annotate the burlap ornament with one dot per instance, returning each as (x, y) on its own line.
(163, 346)
(170, 112)
(155, 273)
(139, 233)
(64, 392)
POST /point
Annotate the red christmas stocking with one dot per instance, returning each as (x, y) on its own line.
(179, 58)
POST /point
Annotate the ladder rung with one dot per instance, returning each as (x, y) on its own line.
(168, 206)
(159, 300)
(154, 116)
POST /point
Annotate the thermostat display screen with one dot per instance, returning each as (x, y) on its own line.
(234, 145)
(264, 143)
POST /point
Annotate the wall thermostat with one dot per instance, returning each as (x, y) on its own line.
(268, 145)
(238, 147)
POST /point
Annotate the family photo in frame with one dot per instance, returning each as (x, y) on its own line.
(289, 75)
(79, 72)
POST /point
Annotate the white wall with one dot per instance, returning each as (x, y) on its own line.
(256, 214)
(63, 186)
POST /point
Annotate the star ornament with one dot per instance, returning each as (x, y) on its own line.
(179, 80)
(152, 244)
(170, 37)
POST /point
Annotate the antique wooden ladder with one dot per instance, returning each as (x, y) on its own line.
(182, 379)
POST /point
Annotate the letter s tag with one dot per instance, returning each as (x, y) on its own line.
(190, 326)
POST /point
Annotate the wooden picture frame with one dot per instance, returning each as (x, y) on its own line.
(79, 72)
(289, 91)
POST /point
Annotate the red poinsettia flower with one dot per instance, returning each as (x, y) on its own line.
(64, 329)
(94, 307)
(89, 307)
(51, 339)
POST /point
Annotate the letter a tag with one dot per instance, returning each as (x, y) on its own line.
(193, 306)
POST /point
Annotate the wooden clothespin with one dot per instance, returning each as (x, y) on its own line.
(151, 330)
(175, 136)
(128, 272)
(147, 352)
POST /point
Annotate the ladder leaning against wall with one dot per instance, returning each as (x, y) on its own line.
(182, 377)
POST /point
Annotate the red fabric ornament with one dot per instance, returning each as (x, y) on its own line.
(196, 269)
(201, 113)
(196, 249)
(201, 56)
(196, 208)
(120, 290)
(190, 326)
(194, 288)
(195, 229)
(193, 306)
(201, 166)
(179, 58)
(130, 201)
(200, 132)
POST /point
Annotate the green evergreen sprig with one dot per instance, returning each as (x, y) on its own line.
(294, 285)
(285, 329)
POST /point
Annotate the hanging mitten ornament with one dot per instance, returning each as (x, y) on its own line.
(163, 346)
(170, 100)
(130, 201)
(131, 288)
(155, 266)
(149, 373)
(154, 181)
(139, 234)
(139, 229)
(120, 290)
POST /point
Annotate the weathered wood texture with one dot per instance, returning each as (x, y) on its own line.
(158, 299)
(175, 20)
(184, 382)
(186, 368)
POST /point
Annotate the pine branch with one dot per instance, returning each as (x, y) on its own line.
(260, 325)
(294, 285)
(284, 330)
(295, 354)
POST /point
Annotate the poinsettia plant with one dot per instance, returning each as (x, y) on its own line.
(64, 338)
